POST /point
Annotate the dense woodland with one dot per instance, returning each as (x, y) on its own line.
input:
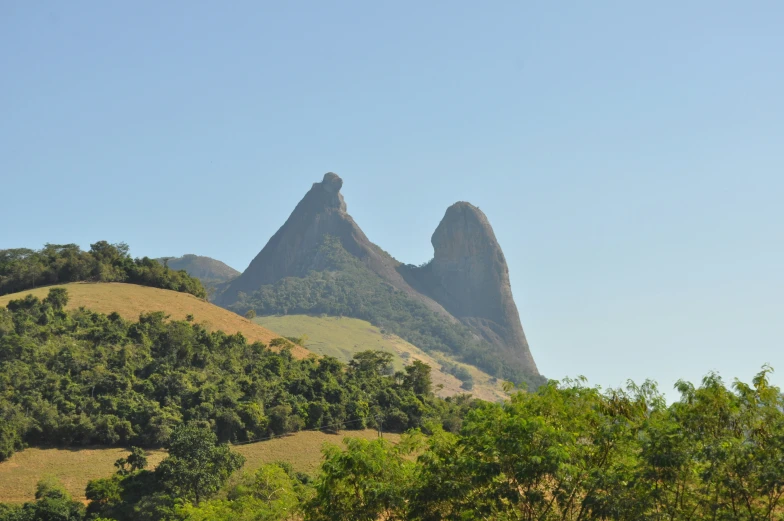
(567, 452)
(71, 378)
(23, 268)
(342, 286)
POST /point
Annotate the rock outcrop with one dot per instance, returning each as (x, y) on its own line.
(469, 277)
(292, 251)
(467, 281)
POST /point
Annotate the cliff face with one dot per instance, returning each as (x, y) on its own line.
(467, 281)
(469, 277)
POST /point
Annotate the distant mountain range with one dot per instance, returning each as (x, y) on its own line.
(321, 262)
(211, 272)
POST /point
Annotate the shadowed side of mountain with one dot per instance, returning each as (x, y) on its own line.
(206, 269)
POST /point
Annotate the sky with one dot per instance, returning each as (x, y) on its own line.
(630, 157)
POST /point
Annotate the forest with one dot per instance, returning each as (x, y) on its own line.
(23, 268)
(340, 285)
(73, 378)
(567, 452)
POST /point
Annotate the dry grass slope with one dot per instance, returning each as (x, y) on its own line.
(130, 300)
(75, 467)
(341, 337)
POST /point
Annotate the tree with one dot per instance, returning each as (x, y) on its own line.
(251, 314)
(57, 298)
(197, 466)
(52, 503)
(136, 460)
(418, 379)
(367, 481)
(270, 494)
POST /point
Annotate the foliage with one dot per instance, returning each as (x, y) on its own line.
(272, 493)
(196, 467)
(52, 503)
(568, 452)
(366, 481)
(70, 378)
(22, 268)
(136, 460)
(340, 285)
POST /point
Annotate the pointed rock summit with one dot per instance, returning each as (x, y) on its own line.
(469, 277)
(293, 250)
(467, 282)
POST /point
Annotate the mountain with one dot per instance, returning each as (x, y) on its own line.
(211, 272)
(321, 262)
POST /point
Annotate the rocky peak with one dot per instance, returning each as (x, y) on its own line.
(467, 280)
(324, 195)
(470, 278)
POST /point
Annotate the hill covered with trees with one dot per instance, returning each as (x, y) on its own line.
(23, 268)
(73, 378)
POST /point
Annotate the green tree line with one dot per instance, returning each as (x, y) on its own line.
(22, 268)
(568, 452)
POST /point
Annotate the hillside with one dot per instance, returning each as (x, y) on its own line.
(211, 272)
(129, 300)
(77, 377)
(460, 304)
(75, 467)
(342, 337)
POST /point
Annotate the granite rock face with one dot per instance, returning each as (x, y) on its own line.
(469, 277)
(467, 281)
(292, 251)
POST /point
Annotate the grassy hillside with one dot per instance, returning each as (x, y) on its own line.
(341, 337)
(129, 300)
(75, 467)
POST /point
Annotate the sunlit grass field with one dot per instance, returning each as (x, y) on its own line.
(129, 300)
(74, 467)
(341, 337)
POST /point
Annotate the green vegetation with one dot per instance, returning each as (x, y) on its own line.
(345, 287)
(74, 467)
(70, 378)
(131, 300)
(22, 268)
(567, 452)
(342, 337)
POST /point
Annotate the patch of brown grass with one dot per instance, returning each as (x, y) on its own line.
(130, 300)
(76, 466)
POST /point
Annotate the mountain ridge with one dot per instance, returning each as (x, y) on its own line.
(320, 261)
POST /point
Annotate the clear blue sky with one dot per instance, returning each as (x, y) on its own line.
(630, 157)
